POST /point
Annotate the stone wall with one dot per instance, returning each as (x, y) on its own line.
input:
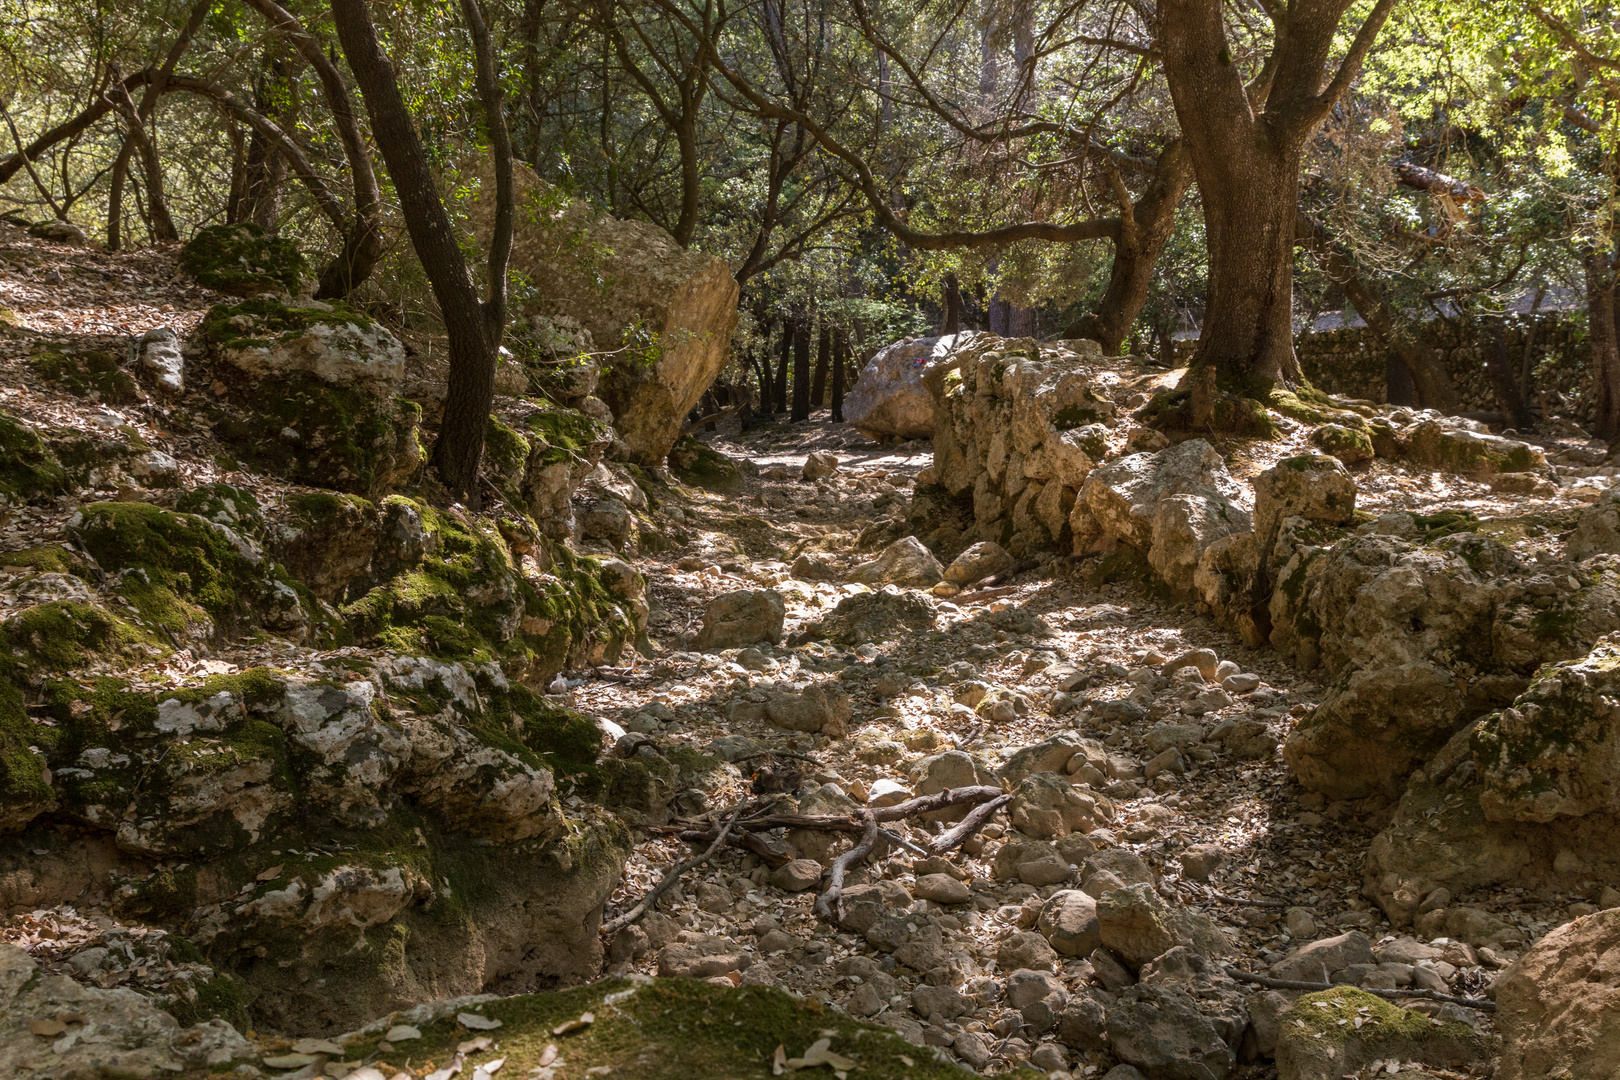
(1348, 362)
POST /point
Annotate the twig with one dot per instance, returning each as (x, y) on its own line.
(949, 841)
(923, 804)
(1483, 1004)
(982, 594)
(619, 922)
(833, 899)
(1211, 894)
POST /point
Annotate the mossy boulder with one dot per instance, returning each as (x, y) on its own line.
(327, 541)
(29, 471)
(342, 843)
(1326, 1035)
(675, 1029)
(1349, 445)
(243, 260)
(97, 374)
(1474, 454)
(700, 465)
(318, 405)
(183, 575)
(455, 591)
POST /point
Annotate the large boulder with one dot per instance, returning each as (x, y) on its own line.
(1016, 430)
(1123, 496)
(1160, 1030)
(1337, 1032)
(632, 286)
(308, 391)
(890, 398)
(904, 562)
(1558, 1006)
(743, 617)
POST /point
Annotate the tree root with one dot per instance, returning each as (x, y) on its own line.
(832, 900)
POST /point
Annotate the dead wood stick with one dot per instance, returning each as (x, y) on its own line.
(619, 922)
(901, 842)
(833, 899)
(712, 418)
(1211, 894)
(1483, 1004)
(981, 594)
(949, 841)
(923, 804)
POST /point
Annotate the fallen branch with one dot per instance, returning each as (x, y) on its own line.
(949, 841)
(923, 804)
(901, 842)
(1483, 1004)
(833, 899)
(619, 922)
(981, 594)
(712, 418)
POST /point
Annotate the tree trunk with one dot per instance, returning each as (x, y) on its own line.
(265, 168)
(801, 369)
(1500, 367)
(1245, 141)
(471, 383)
(781, 395)
(1145, 227)
(840, 359)
(953, 306)
(1605, 341)
(818, 385)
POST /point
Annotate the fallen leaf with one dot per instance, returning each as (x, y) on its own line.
(476, 1022)
(819, 1054)
(585, 1020)
(907, 1062)
(493, 1065)
(272, 873)
(473, 1046)
(401, 1033)
(548, 1055)
(779, 1060)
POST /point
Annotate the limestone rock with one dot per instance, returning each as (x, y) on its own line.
(1556, 1007)
(1026, 950)
(1136, 924)
(1384, 1032)
(981, 560)
(115, 1032)
(1319, 960)
(876, 616)
(1047, 806)
(1160, 1030)
(905, 562)
(700, 956)
(818, 464)
(1555, 753)
(331, 343)
(797, 875)
(161, 358)
(1123, 495)
(1184, 526)
(743, 617)
(1311, 486)
(820, 708)
(1597, 528)
(941, 889)
(1068, 919)
(889, 397)
(1439, 445)
(634, 286)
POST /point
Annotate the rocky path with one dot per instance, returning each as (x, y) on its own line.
(1172, 722)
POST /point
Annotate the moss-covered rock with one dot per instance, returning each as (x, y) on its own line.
(88, 373)
(28, 469)
(1349, 445)
(700, 465)
(675, 1029)
(327, 541)
(1327, 1035)
(185, 575)
(457, 593)
(243, 260)
(1438, 445)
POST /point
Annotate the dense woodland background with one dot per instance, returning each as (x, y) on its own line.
(1125, 171)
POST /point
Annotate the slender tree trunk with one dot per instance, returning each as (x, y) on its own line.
(801, 369)
(266, 166)
(473, 335)
(953, 306)
(1145, 227)
(1500, 367)
(161, 227)
(782, 366)
(818, 386)
(1604, 337)
(840, 359)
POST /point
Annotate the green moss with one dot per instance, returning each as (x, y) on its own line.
(224, 504)
(65, 634)
(506, 452)
(47, 559)
(677, 1029)
(1445, 523)
(323, 436)
(565, 429)
(177, 563)
(93, 373)
(242, 260)
(219, 998)
(28, 469)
